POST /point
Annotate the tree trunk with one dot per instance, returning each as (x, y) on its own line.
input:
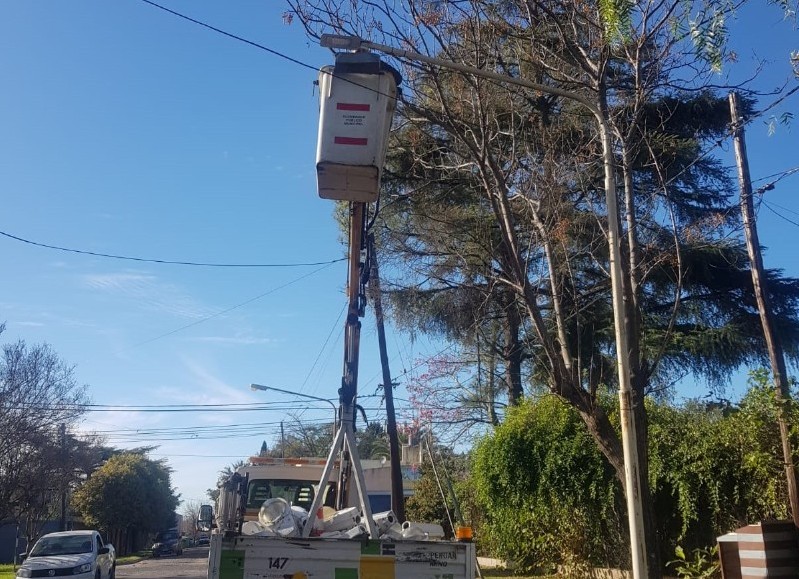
(513, 351)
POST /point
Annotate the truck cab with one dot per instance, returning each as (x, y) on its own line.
(297, 481)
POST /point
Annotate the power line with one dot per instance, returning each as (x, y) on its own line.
(274, 407)
(168, 410)
(225, 311)
(780, 174)
(233, 36)
(777, 205)
(324, 346)
(165, 261)
(779, 177)
(195, 455)
(266, 48)
(778, 214)
(179, 429)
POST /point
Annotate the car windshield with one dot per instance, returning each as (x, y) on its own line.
(64, 545)
(166, 536)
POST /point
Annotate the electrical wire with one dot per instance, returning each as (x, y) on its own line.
(777, 205)
(780, 176)
(184, 429)
(267, 406)
(165, 261)
(324, 346)
(777, 213)
(225, 311)
(233, 36)
(267, 49)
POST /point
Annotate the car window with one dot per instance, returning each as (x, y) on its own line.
(62, 545)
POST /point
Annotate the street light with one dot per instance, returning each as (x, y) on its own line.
(292, 393)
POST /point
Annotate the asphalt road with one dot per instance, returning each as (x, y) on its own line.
(192, 564)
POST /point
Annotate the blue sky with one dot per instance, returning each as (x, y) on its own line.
(125, 130)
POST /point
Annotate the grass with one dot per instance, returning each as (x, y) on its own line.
(7, 571)
(128, 559)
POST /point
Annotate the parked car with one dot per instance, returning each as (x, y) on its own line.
(203, 541)
(79, 554)
(167, 543)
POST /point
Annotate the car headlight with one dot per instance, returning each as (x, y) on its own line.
(22, 572)
(157, 546)
(85, 568)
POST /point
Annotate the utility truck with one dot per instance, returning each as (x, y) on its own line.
(241, 549)
(312, 518)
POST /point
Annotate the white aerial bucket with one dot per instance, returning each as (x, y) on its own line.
(358, 97)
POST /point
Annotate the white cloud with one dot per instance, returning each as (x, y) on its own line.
(235, 340)
(149, 293)
(204, 387)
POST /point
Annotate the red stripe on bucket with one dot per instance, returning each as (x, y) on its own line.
(352, 107)
(349, 141)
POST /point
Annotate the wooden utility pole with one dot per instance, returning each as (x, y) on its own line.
(397, 491)
(773, 341)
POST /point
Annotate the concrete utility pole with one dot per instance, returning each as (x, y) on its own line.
(772, 337)
(632, 471)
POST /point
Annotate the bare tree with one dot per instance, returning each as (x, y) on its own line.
(38, 394)
(190, 512)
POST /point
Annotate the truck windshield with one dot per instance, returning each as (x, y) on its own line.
(299, 493)
(64, 545)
